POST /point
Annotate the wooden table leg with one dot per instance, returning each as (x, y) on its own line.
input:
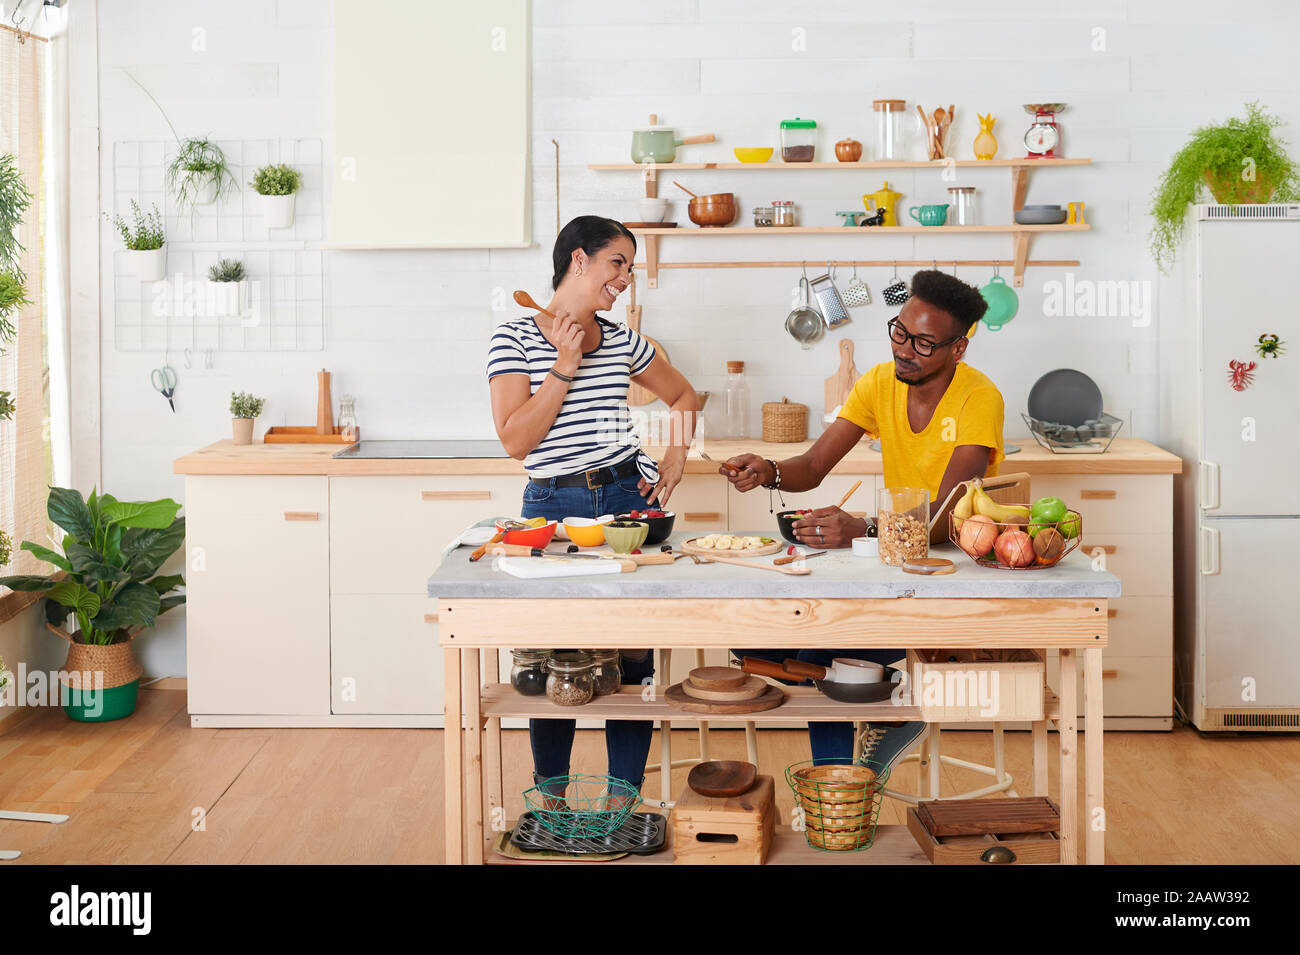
(451, 714)
(922, 765)
(473, 760)
(1067, 731)
(1093, 768)
(496, 813)
(1039, 728)
(936, 764)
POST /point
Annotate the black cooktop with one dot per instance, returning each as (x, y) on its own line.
(424, 449)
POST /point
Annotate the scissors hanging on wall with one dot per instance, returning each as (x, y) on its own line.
(164, 382)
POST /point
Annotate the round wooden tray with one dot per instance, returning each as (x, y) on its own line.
(750, 689)
(717, 678)
(690, 547)
(676, 696)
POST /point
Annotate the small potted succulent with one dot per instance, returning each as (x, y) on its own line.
(276, 185)
(226, 284)
(145, 243)
(243, 409)
(198, 174)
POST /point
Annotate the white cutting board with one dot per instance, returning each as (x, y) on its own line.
(534, 568)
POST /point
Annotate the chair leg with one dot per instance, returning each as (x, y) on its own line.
(936, 761)
(665, 735)
(704, 724)
(751, 742)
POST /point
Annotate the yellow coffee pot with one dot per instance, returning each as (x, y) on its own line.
(883, 199)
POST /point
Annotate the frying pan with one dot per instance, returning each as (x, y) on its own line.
(839, 692)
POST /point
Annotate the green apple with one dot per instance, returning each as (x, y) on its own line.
(1045, 511)
(1070, 530)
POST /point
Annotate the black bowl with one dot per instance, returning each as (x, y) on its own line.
(660, 527)
(786, 521)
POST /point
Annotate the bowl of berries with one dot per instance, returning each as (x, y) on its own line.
(660, 522)
(786, 521)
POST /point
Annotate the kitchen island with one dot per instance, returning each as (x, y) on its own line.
(844, 602)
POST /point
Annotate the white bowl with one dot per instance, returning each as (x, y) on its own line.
(652, 210)
(866, 547)
(850, 670)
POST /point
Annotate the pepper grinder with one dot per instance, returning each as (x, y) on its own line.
(324, 404)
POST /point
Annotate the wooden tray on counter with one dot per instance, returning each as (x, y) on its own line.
(304, 434)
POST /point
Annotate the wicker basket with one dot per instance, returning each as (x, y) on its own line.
(784, 421)
(114, 660)
(839, 802)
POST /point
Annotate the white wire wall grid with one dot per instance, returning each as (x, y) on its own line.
(280, 304)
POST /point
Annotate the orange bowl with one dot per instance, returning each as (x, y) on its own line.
(532, 537)
(584, 531)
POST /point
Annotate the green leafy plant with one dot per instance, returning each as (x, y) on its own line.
(15, 197)
(278, 180)
(145, 230)
(6, 552)
(226, 270)
(112, 552)
(1239, 160)
(244, 405)
(7, 407)
(13, 296)
(197, 163)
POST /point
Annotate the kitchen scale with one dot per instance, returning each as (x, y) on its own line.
(1043, 136)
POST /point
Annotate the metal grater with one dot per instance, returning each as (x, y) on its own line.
(834, 312)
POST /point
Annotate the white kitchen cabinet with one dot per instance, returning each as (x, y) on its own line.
(700, 503)
(257, 594)
(384, 654)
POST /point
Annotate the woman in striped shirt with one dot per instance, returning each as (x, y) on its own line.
(559, 401)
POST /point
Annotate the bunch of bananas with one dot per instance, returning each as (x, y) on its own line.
(977, 501)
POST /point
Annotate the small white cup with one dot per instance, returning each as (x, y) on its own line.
(652, 210)
(866, 547)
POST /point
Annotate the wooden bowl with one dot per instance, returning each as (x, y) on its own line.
(718, 209)
(722, 777)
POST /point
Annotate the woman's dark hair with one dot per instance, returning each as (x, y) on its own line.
(589, 233)
(947, 292)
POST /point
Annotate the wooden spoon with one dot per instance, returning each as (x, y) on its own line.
(524, 299)
(684, 189)
(848, 494)
(793, 571)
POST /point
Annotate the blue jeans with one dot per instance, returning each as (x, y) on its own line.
(627, 742)
(828, 740)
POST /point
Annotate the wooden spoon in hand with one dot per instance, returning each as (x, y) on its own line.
(524, 299)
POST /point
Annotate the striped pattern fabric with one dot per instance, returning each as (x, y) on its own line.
(592, 429)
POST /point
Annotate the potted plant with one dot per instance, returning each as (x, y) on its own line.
(198, 174)
(277, 185)
(6, 549)
(145, 242)
(1240, 160)
(243, 409)
(109, 584)
(226, 284)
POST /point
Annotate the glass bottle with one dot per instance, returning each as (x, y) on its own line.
(890, 141)
(737, 401)
(962, 206)
(348, 429)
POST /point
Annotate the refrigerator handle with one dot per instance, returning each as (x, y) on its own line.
(1209, 484)
(1210, 550)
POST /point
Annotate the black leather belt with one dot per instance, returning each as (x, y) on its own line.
(598, 477)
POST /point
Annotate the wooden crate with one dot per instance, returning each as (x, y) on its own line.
(960, 831)
(978, 685)
(709, 830)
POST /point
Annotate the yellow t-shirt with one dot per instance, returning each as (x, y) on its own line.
(970, 412)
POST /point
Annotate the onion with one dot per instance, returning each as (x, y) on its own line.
(1015, 548)
(977, 535)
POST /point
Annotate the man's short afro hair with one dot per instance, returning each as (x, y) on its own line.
(963, 302)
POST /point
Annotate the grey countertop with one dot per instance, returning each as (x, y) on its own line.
(837, 574)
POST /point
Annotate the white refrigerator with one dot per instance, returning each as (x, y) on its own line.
(1237, 502)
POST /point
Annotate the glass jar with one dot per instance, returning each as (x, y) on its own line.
(568, 680)
(782, 212)
(606, 672)
(737, 401)
(528, 673)
(798, 140)
(962, 206)
(348, 429)
(763, 216)
(903, 524)
(890, 142)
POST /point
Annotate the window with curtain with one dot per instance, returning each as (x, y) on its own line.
(25, 449)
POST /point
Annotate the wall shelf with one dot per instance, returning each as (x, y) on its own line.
(859, 166)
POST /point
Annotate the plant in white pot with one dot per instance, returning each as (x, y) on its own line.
(146, 246)
(276, 185)
(243, 409)
(198, 174)
(226, 284)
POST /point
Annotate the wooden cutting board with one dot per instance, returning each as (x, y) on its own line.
(690, 547)
(841, 383)
(751, 689)
(973, 817)
(676, 696)
(636, 394)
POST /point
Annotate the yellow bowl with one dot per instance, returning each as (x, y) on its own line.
(753, 153)
(584, 531)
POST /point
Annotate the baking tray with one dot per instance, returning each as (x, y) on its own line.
(643, 834)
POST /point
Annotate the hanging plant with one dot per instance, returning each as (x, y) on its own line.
(1240, 160)
(15, 197)
(198, 174)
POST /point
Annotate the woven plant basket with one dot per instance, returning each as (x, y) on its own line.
(1229, 188)
(115, 660)
(784, 421)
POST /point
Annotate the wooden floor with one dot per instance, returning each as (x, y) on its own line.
(149, 789)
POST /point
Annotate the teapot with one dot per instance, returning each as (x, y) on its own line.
(883, 199)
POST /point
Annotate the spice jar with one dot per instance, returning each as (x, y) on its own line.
(889, 128)
(528, 674)
(763, 215)
(782, 212)
(568, 680)
(963, 209)
(903, 524)
(798, 139)
(606, 672)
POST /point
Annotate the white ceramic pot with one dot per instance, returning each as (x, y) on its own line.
(278, 211)
(150, 265)
(226, 298)
(205, 192)
(243, 430)
(652, 210)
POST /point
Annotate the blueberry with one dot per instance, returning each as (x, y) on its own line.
(666, 548)
(571, 549)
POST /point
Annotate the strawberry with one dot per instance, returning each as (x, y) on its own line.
(790, 550)
(637, 550)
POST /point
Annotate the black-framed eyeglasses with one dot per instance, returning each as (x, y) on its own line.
(922, 346)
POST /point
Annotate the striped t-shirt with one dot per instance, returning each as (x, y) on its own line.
(592, 428)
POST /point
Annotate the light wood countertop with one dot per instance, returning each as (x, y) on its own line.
(1126, 456)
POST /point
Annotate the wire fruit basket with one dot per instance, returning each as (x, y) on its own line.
(839, 801)
(581, 806)
(1044, 549)
(1092, 437)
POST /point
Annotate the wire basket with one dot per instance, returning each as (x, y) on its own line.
(1070, 529)
(1092, 438)
(839, 801)
(582, 807)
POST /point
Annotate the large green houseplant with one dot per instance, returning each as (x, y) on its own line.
(1239, 160)
(107, 579)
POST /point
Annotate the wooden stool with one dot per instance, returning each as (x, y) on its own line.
(931, 760)
(717, 830)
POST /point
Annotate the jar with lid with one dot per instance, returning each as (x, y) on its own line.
(782, 212)
(528, 672)
(890, 142)
(763, 215)
(737, 401)
(568, 680)
(963, 206)
(798, 140)
(348, 429)
(606, 671)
